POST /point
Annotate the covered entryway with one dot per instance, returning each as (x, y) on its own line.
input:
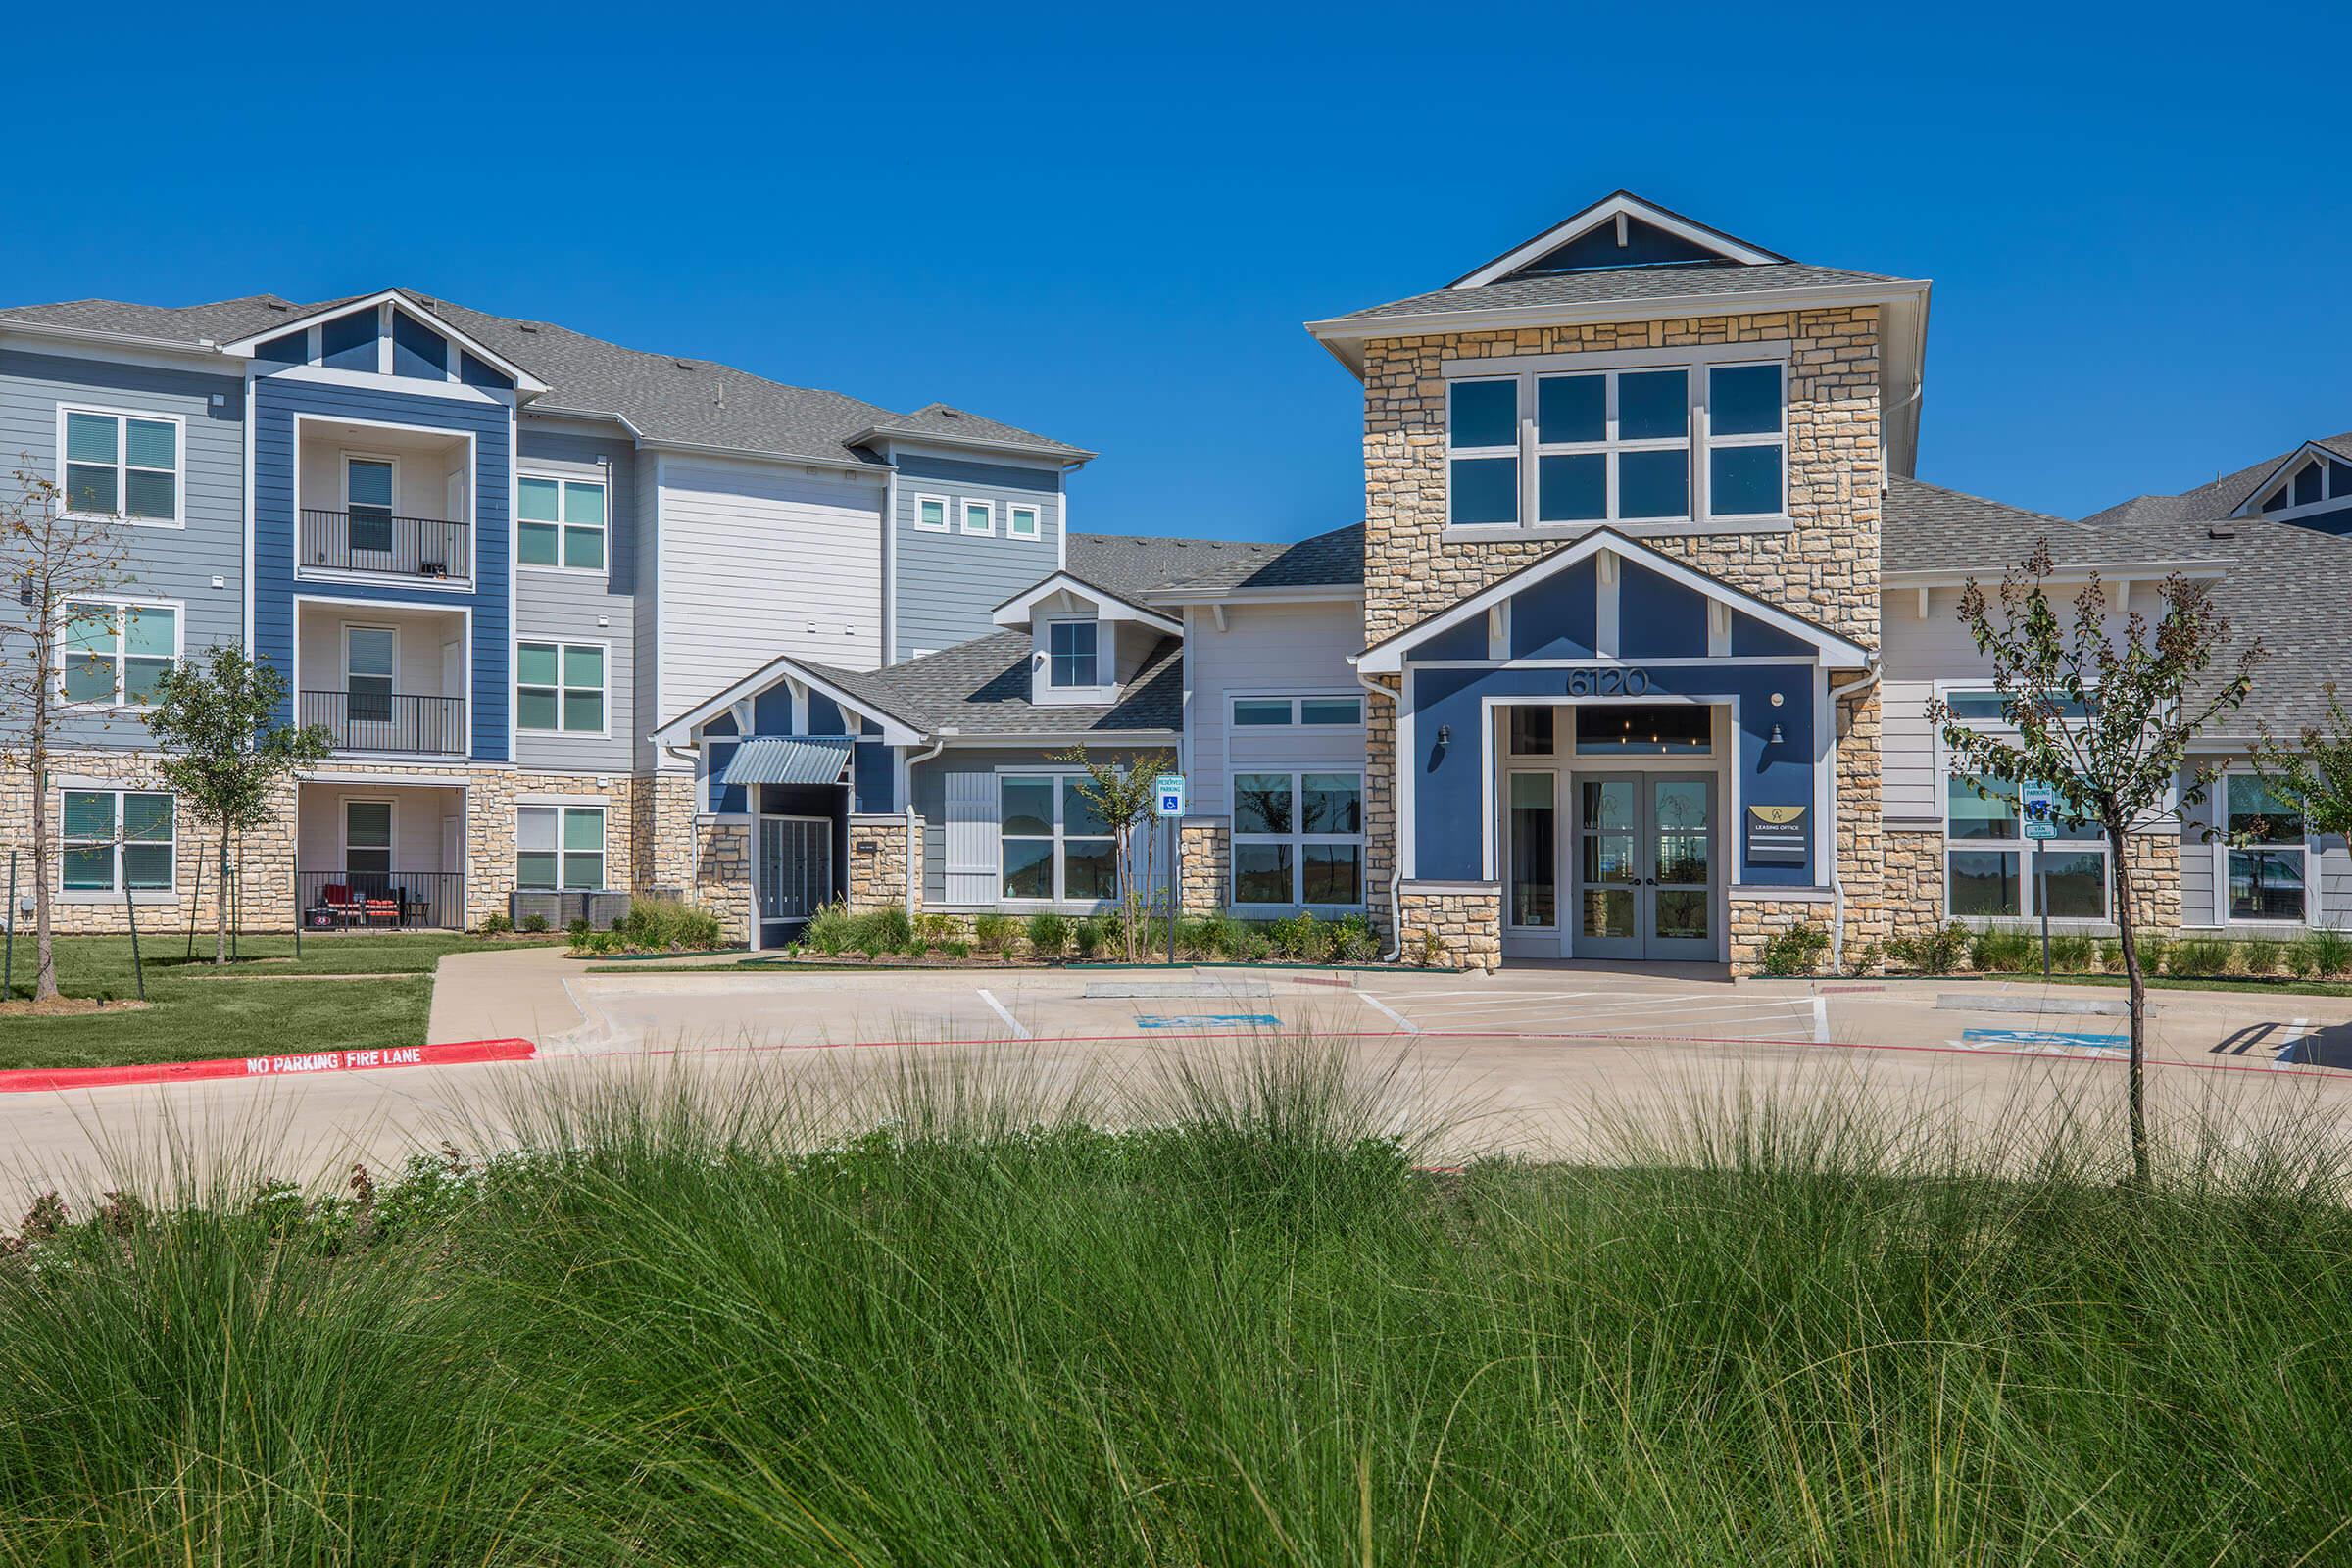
(796, 874)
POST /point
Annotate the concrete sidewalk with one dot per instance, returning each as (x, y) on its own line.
(507, 993)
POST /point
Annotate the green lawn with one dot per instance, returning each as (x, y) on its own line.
(1247, 1335)
(2284, 986)
(199, 1012)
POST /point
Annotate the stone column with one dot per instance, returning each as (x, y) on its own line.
(723, 877)
(879, 862)
(1463, 921)
(1207, 866)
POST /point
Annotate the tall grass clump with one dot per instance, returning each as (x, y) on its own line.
(2330, 950)
(941, 1315)
(2001, 950)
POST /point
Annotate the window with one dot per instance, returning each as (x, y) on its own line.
(561, 522)
(112, 655)
(370, 654)
(560, 688)
(1070, 659)
(931, 513)
(1992, 872)
(368, 487)
(1531, 731)
(1055, 846)
(1992, 707)
(559, 846)
(979, 516)
(1313, 713)
(367, 837)
(1020, 522)
(121, 465)
(2267, 858)
(1662, 444)
(1299, 839)
(117, 838)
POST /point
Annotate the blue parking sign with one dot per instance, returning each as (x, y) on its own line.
(1168, 788)
(2040, 803)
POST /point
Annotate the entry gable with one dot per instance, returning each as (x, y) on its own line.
(1558, 607)
(1621, 229)
(386, 331)
(790, 678)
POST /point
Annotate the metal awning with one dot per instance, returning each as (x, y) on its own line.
(788, 760)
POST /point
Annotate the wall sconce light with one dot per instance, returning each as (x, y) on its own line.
(1444, 734)
(1776, 734)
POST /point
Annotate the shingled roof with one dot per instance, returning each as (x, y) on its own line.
(1134, 565)
(981, 688)
(1630, 283)
(2209, 503)
(668, 398)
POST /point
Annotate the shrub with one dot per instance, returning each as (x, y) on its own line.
(578, 928)
(2153, 953)
(888, 929)
(829, 930)
(1432, 951)
(995, 932)
(1252, 945)
(1864, 959)
(1049, 935)
(1092, 934)
(2111, 954)
(2204, 957)
(1793, 950)
(2261, 954)
(2302, 958)
(2000, 949)
(495, 925)
(2073, 953)
(1354, 941)
(666, 925)
(534, 923)
(959, 949)
(1301, 938)
(937, 930)
(2330, 950)
(1936, 952)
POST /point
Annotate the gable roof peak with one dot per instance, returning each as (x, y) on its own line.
(1621, 229)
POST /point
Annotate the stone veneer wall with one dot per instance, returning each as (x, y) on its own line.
(268, 857)
(878, 862)
(1380, 806)
(1204, 856)
(1915, 881)
(1756, 919)
(1464, 917)
(722, 877)
(662, 829)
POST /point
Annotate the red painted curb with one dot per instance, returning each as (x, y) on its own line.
(28, 1080)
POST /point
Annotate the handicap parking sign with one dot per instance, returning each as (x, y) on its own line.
(2040, 803)
(1168, 788)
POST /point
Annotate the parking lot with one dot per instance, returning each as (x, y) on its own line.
(1555, 1062)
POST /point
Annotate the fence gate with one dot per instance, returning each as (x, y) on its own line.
(796, 874)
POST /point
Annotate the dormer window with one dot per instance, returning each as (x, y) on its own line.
(1071, 653)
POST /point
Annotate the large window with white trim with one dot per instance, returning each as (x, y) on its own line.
(560, 688)
(113, 839)
(1053, 846)
(1650, 444)
(559, 846)
(1288, 713)
(121, 465)
(1991, 871)
(561, 522)
(2268, 859)
(112, 655)
(1299, 839)
(1073, 655)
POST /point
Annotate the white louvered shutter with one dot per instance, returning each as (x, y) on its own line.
(971, 835)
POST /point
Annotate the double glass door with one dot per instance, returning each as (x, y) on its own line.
(1640, 869)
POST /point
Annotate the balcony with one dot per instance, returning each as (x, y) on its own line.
(374, 721)
(378, 544)
(380, 900)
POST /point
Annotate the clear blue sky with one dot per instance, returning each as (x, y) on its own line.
(1108, 224)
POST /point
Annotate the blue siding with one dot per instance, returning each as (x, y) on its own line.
(1448, 808)
(771, 711)
(418, 350)
(825, 715)
(873, 781)
(1466, 641)
(292, 349)
(473, 372)
(1556, 617)
(1658, 618)
(1752, 639)
(348, 342)
(276, 401)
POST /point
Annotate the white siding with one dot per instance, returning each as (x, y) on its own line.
(1907, 753)
(1267, 650)
(757, 561)
(971, 838)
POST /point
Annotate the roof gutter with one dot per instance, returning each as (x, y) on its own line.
(2063, 572)
(201, 348)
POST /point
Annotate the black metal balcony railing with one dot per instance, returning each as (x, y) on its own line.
(380, 900)
(388, 721)
(386, 546)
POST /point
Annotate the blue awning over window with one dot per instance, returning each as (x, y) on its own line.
(788, 760)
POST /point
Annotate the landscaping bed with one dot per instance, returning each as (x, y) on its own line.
(992, 940)
(2319, 959)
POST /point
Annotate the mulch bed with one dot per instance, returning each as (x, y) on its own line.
(66, 1007)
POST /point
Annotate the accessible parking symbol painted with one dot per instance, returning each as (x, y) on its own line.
(2048, 1042)
(1206, 1020)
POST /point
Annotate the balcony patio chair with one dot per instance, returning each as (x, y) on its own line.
(343, 907)
(383, 910)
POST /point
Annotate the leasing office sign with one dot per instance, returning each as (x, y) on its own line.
(1776, 835)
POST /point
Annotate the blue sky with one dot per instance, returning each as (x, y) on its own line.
(1108, 224)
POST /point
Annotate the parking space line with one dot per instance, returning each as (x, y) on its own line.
(1821, 1020)
(1002, 1011)
(1403, 1022)
(2286, 1056)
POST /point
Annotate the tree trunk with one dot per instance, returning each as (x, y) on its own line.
(2126, 928)
(221, 907)
(44, 983)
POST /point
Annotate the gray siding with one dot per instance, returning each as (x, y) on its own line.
(930, 802)
(1266, 651)
(949, 583)
(164, 564)
(2199, 905)
(647, 656)
(583, 608)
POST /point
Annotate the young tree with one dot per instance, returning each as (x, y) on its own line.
(1121, 795)
(49, 557)
(224, 751)
(2314, 778)
(2103, 716)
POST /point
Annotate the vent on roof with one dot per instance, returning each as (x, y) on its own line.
(683, 365)
(280, 306)
(526, 326)
(2220, 530)
(949, 413)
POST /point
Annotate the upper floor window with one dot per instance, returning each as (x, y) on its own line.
(560, 688)
(979, 516)
(1271, 712)
(116, 839)
(1564, 447)
(561, 522)
(931, 513)
(1071, 653)
(368, 487)
(1021, 521)
(112, 655)
(121, 465)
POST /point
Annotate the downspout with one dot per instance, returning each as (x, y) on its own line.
(1859, 688)
(938, 746)
(1397, 872)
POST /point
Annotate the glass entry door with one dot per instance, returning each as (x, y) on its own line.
(1644, 867)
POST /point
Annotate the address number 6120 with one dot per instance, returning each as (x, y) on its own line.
(1608, 682)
